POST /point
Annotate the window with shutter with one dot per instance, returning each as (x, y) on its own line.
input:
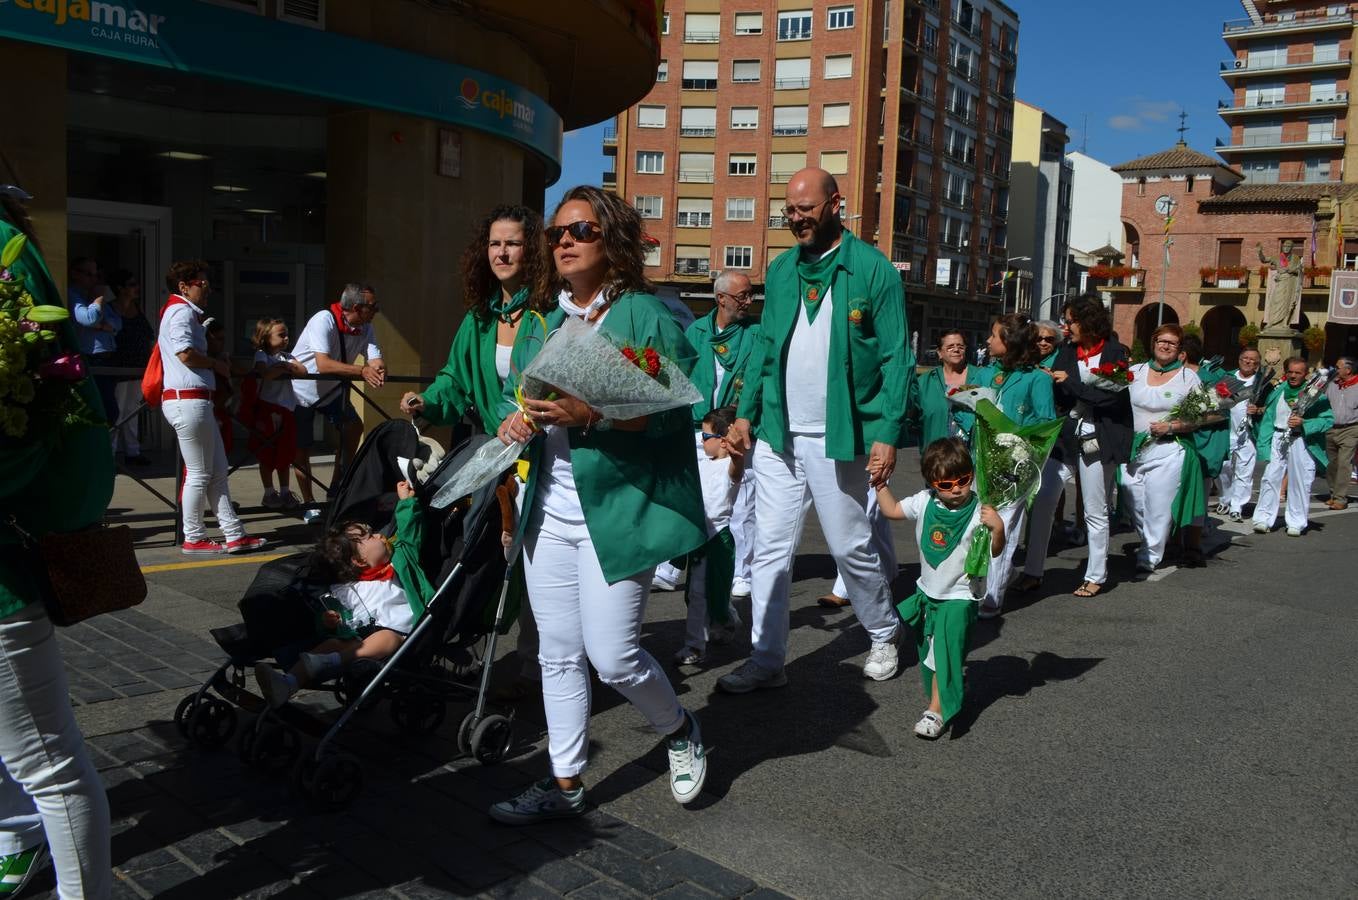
(702, 28)
(749, 23)
(745, 71)
(839, 66)
(650, 117)
(700, 75)
(789, 120)
(834, 115)
(698, 121)
(792, 73)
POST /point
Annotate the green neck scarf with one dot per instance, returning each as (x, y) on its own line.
(1291, 393)
(944, 529)
(815, 276)
(505, 312)
(1156, 367)
(726, 342)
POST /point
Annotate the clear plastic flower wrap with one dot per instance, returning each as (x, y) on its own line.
(582, 362)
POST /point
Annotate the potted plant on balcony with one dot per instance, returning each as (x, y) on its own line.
(1248, 336)
(1231, 276)
(1317, 276)
(1208, 274)
(1313, 339)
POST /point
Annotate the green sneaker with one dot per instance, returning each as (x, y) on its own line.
(542, 801)
(18, 869)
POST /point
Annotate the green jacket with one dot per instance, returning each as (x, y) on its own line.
(405, 555)
(639, 489)
(468, 378)
(1026, 395)
(871, 372)
(55, 482)
(736, 358)
(1318, 420)
(936, 414)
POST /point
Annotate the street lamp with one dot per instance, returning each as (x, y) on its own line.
(1043, 304)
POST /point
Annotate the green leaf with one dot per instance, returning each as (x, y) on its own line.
(12, 250)
(45, 315)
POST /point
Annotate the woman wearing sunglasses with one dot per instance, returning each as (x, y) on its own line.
(606, 502)
(1025, 396)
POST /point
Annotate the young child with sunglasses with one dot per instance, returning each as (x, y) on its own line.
(712, 567)
(381, 592)
(943, 607)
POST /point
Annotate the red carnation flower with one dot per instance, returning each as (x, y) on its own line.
(631, 356)
(652, 361)
(1222, 391)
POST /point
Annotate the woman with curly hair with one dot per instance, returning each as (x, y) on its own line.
(504, 277)
(1025, 396)
(606, 502)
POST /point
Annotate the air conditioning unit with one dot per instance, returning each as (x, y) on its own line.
(1240, 64)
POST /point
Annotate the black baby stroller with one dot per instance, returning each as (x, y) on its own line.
(464, 557)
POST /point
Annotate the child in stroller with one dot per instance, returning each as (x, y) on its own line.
(380, 591)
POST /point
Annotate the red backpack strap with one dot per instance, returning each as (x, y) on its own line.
(153, 379)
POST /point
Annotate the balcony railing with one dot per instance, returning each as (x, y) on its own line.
(780, 177)
(1235, 67)
(694, 220)
(788, 130)
(702, 37)
(777, 221)
(1338, 98)
(691, 131)
(610, 135)
(699, 84)
(699, 176)
(610, 179)
(692, 267)
(1257, 143)
(1301, 21)
(784, 84)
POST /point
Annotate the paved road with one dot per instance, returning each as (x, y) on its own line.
(1189, 736)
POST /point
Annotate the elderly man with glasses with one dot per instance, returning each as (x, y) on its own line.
(329, 345)
(826, 395)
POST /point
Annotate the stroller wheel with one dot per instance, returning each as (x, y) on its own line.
(464, 732)
(269, 747)
(331, 782)
(490, 740)
(183, 711)
(211, 722)
(417, 712)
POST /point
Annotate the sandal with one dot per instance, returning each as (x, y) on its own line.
(832, 601)
(1028, 583)
(1088, 589)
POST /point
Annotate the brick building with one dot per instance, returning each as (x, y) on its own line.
(909, 104)
(1214, 278)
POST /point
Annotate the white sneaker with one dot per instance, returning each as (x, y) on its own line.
(276, 686)
(740, 589)
(272, 500)
(320, 666)
(1294, 532)
(725, 633)
(1223, 509)
(310, 515)
(689, 656)
(661, 583)
(1260, 528)
(688, 762)
(751, 677)
(929, 726)
(883, 660)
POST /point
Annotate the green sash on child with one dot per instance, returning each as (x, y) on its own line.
(949, 623)
(720, 553)
(944, 529)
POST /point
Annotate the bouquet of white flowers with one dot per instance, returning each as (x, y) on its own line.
(622, 383)
(1311, 391)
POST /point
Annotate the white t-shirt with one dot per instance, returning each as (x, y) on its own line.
(181, 328)
(1281, 413)
(380, 603)
(503, 354)
(557, 487)
(1153, 403)
(808, 368)
(322, 335)
(1240, 412)
(1081, 410)
(277, 391)
(719, 491)
(949, 581)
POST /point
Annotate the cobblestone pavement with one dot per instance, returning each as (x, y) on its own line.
(200, 824)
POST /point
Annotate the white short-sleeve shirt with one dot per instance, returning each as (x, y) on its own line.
(949, 581)
(322, 335)
(181, 328)
(277, 391)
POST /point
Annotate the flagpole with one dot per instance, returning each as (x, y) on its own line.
(1164, 274)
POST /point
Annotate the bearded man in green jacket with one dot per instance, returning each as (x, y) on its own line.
(826, 394)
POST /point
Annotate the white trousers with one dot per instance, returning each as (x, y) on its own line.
(1096, 490)
(743, 524)
(785, 487)
(1152, 481)
(581, 618)
(1299, 466)
(882, 542)
(125, 437)
(48, 786)
(205, 468)
(1237, 472)
(1002, 566)
(1055, 476)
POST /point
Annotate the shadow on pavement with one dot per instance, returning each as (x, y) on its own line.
(988, 680)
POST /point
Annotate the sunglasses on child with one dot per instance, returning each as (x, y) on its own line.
(707, 435)
(947, 484)
(583, 231)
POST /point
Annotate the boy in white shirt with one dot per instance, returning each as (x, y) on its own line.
(712, 566)
(943, 607)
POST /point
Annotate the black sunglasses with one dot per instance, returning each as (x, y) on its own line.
(583, 231)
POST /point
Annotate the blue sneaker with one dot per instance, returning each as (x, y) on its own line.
(688, 762)
(542, 801)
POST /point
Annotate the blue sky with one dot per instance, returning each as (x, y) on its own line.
(1128, 70)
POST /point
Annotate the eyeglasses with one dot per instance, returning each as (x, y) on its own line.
(804, 212)
(1164, 343)
(742, 297)
(370, 308)
(707, 435)
(583, 231)
(199, 283)
(947, 484)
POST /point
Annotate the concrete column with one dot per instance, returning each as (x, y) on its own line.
(393, 221)
(35, 149)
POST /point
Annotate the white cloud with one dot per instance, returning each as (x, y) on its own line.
(1141, 113)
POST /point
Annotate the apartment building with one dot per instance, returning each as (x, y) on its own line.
(909, 103)
(1041, 183)
(1289, 72)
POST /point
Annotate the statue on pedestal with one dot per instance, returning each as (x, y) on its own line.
(1282, 302)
